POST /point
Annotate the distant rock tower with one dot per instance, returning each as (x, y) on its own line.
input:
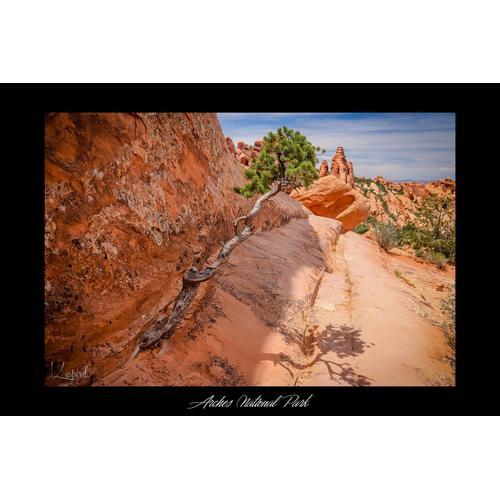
(230, 145)
(350, 174)
(342, 169)
(323, 168)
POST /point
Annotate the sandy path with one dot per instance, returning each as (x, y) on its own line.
(277, 316)
(368, 326)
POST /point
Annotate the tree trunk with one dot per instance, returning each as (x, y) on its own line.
(164, 328)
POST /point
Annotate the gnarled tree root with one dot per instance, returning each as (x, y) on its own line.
(165, 328)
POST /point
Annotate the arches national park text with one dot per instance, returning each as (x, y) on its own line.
(244, 401)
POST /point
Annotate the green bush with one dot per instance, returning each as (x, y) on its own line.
(359, 181)
(437, 258)
(386, 235)
(363, 184)
(361, 228)
(431, 234)
(426, 246)
(445, 246)
(381, 187)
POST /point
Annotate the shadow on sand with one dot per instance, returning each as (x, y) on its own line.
(344, 341)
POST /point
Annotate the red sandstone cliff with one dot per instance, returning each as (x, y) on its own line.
(131, 201)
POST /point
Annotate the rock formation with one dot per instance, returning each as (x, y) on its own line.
(350, 174)
(397, 202)
(244, 153)
(341, 168)
(331, 197)
(323, 168)
(230, 145)
(132, 200)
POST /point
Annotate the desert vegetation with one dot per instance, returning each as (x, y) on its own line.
(431, 234)
(386, 235)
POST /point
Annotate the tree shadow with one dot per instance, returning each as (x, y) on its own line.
(345, 341)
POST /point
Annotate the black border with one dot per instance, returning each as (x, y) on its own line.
(26, 107)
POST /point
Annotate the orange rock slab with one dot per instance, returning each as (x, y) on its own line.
(331, 197)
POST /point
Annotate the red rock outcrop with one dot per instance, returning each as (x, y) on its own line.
(258, 145)
(242, 146)
(350, 174)
(131, 201)
(331, 197)
(230, 145)
(244, 160)
(323, 168)
(245, 153)
(341, 168)
(397, 202)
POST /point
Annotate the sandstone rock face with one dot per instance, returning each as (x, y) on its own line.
(323, 168)
(131, 202)
(397, 202)
(331, 197)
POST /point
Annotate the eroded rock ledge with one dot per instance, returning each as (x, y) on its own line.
(131, 201)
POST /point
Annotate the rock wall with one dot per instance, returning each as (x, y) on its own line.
(131, 201)
(252, 329)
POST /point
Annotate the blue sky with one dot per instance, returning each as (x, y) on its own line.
(417, 146)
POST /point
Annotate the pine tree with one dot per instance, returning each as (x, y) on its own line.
(287, 160)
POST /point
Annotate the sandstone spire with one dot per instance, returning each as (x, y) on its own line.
(230, 145)
(350, 174)
(323, 169)
(339, 165)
